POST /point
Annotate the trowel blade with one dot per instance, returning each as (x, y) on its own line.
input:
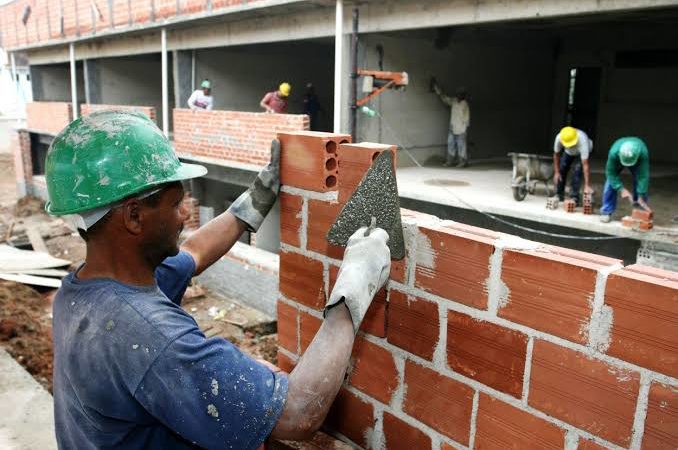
(376, 196)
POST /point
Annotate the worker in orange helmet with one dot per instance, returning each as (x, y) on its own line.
(571, 150)
(276, 101)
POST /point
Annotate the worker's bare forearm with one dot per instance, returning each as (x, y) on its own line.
(213, 240)
(315, 381)
(587, 173)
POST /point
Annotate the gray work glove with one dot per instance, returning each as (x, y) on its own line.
(253, 204)
(365, 269)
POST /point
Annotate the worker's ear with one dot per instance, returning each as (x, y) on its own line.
(131, 216)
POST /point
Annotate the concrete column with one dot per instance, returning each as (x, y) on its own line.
(182, 71)
(92, 76)
(165, 94)
(339, 68)
(74, 83)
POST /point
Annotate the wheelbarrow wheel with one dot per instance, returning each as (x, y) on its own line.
(519, 189)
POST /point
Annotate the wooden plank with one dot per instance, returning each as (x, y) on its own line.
(16, 260)
(37, 242)
(41, 272)
(31, 279)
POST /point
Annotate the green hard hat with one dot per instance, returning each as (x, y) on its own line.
(206, 84)
(630, 151)
(108, 156)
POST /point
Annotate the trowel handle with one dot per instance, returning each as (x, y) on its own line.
(373, 225)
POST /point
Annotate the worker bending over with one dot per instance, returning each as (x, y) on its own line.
(201, 99)
(132, 370)
(460, 119)
(276, 101)
(576, 148)
(630, 153)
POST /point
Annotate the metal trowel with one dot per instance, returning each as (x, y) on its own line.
(375, 202)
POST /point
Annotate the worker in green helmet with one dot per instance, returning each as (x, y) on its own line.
(131, 367)
(626, 153)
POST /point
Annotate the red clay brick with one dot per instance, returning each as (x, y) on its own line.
(321, 216)
(285, 363)
(287, 326)
(308, 160)
(653, 272)
(661, 423)
(413, 324)
(290, 218)
(585, 444)
(438, 401)
(644, 326)
(630, 222)
(374, 321)
(50, 117)
(401, 436)
(354, 161)
(351, 416)
(584, 392)
(301, 279)
(641, 214)
(500, 426)
(374, 371)
(486, 352)
(308, 327)
(454, 264)
(551, 289)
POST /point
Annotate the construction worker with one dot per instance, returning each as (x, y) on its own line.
(460, 119)
(201, 99)
(630, 153)
(311, 106)
(571, 150)
(131, 367)
(276, 101)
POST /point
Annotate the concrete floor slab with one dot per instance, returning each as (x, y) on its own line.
(487, 187)
(26, 409)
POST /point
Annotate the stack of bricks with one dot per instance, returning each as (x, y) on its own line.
(588, 203)
(639, 220)
(569, 205)
(479, 339)
(48, 117)
(88, 108)
(231, 136)
(552, 203)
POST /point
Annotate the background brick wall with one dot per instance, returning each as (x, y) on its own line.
(81, 19)
(88, 108)
(48, 117)
(481, 340)
(232, 136)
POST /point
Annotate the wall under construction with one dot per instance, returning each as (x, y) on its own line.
(480, 339)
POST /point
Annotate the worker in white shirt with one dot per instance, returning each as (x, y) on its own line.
(460, 119)
(201, 99)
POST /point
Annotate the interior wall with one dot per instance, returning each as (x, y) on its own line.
(509, 84)
(136, 80)
(634, 101)
(52, 82)
(242, 75)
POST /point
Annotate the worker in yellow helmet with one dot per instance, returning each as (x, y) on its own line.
(571, 150)
(276, 101)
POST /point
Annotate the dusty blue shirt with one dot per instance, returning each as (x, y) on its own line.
(132, 370)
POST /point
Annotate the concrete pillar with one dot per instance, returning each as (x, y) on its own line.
(338, 59)
(74, 82)
(92, 75)
(165, 90)
(183, 74)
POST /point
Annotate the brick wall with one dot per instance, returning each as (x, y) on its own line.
(480, 340)
(233, 136)
(193, 221)
(88, 108)
(48, 117)
(81, 19)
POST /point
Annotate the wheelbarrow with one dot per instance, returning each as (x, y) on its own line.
(528, 170)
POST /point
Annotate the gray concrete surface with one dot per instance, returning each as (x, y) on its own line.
(26, 409)
(486, 186)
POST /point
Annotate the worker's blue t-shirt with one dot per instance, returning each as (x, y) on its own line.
(132, 370)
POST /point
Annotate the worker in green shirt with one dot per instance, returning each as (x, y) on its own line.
(631, 153)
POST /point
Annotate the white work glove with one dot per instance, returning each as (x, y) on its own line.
(253, 204)
(365, 269)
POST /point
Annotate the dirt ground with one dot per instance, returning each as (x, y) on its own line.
(25, 312)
